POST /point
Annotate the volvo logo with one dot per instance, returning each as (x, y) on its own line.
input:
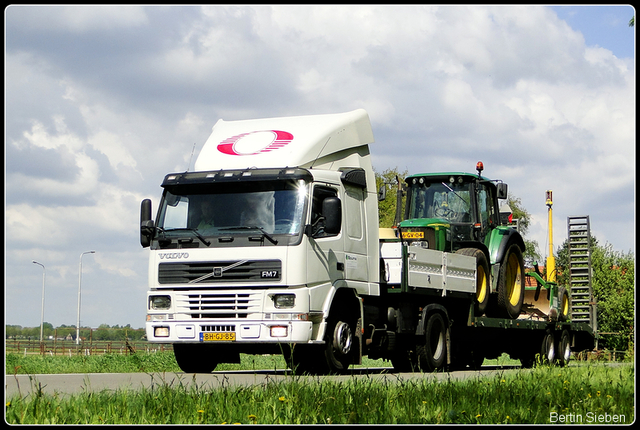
(173, 255)
(217, 272)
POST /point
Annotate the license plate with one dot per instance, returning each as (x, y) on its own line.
(413, 235)
(217, 337)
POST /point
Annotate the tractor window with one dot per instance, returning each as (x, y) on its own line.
(485, 206)
(445, 200)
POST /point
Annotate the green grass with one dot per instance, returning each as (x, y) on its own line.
(522, 396)
(140, 362)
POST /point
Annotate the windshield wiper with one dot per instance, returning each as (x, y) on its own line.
(451, 189)
(264, 233)
(192, 230)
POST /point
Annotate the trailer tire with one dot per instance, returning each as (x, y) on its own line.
(482, 278)
(194, 358)
(564, 348)
(511, 283)
(565, 304)
(548, 350)
(432, 354)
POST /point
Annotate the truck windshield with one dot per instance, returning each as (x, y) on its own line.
(233, 210)
(449, 201)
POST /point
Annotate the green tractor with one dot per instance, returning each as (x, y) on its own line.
(459, 212)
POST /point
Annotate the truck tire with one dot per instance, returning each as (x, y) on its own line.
(564, 304)
(432, 354)
(194, 358)
(482, 278)
(511, 283)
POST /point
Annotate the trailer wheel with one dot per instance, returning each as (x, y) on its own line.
(432, 354)
(548, 351)
(565, 304)
(482, 278)
(511, 283)
(194, 358)
(564, 348)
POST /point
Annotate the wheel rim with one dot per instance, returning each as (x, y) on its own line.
(437, 341)
(342, 338)
(551, 349)
(513, 284)
(481, 289)
(565, 305)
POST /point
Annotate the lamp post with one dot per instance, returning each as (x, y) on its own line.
(79, 290)
(42, 310)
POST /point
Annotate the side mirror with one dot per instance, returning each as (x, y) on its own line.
(382, 192)
(502, 190)
(332, 213)
(146, 223)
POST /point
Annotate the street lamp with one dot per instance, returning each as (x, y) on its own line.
(42, 311)
(79, 289)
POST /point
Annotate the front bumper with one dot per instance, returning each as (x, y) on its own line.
(230, 331)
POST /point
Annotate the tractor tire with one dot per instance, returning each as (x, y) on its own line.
(511, 283)
(432, 354)
(564, 310)
(482, 278)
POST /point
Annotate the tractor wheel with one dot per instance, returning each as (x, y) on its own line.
(432, 354)
(511, 283)
(482, 278)
(565, 304)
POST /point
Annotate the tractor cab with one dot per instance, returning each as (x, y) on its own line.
(449, 211)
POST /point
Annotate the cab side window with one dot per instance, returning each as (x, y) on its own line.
(317, 221)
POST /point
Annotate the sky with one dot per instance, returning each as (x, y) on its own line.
(102, 101)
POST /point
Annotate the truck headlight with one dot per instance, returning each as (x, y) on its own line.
(161, 331)
(159, 302)
(283, 301)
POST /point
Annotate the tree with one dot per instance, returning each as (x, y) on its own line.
(387, 207)
(523, 218)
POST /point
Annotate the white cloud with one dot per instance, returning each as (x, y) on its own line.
(102, 102)
(77, 19)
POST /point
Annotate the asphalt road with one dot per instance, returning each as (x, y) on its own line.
(24, 385)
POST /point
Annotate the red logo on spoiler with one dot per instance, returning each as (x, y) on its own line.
(255, 142)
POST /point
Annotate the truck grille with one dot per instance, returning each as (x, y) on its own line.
(218, 305)
(219, 271)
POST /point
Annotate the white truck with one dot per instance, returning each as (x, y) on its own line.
(272, 245)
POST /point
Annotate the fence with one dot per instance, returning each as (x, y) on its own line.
(86, 347)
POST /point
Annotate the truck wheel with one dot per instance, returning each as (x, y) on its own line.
(564, 348)
(548, 351)
(433, 353)
(482, 278)
(339, 339)
(565, 309)
(511, 283)
(194, 358)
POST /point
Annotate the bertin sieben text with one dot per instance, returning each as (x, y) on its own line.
(588, 418)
